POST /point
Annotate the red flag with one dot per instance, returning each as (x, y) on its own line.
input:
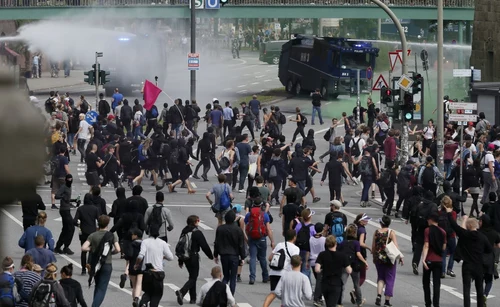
(151, 93)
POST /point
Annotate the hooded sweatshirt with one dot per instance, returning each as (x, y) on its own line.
(64, 194)
(87, 216)
(198, 241)
(73, 292)
(99, 203)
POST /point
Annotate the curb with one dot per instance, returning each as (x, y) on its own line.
(57, 87)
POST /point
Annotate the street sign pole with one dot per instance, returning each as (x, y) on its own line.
(461, 163)
(358, 101)
(193, 50)
(96, 76)
(440, 90)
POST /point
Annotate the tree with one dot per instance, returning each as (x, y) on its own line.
(359, 28)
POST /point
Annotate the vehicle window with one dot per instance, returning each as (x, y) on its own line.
(355, 60)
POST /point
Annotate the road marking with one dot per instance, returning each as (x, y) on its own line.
(242, 91)
(255, 83)
(227, 89)
(243, 305)
(247, 74)
(175, 288)
(81, 174)
(80, 169)
(242, 85)
(59, 219)
(259, 76)
(454, 292)
(15, 220)
(268, 80)
(204, 226)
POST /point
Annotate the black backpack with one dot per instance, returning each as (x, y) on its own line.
(303, 237)
(428, 175)
(55, 164)
(84, 107)
(282, 118)
(216, 296)
(385, 178)
(365, 166)
(98, 257)
(355, 152)
(349, 250)
(155, 218)
(183, 247)
(174, 157)
(43, 295)
(444, 223)
(49, 105)
(303, 119)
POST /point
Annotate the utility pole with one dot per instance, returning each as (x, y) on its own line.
(193, 50)
(358, 100)
(96, 76)
(404, 136)
(440, 92)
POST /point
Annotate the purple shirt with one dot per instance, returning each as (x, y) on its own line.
(312, 231)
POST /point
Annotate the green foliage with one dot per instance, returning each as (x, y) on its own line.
(359, 28)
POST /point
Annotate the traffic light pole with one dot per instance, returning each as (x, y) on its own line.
(404, 135)
(193, 49)
(440, 91)
(96, 74)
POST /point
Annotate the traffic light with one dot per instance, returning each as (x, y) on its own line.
(223, 2)
(417, 83)
(102, 77)
(385, 95)
(90, 77)
(408, 107)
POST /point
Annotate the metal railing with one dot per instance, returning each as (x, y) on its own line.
(87, 3)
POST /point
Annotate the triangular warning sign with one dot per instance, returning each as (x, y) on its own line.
(393, 59)
(379, 83)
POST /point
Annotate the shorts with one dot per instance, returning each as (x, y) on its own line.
(177, 128)
(57, 183)
(220, 215)
(92, 179)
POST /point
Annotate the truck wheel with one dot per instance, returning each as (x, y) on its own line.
(289, 86)
(298, 88)
(276, 60)
(335, 96)
(324, 92)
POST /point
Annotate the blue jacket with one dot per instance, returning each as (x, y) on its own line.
(27, 241)
(42, 256)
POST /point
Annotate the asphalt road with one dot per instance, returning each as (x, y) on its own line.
(408, 289)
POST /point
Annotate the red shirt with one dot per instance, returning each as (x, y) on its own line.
(449, 150)
(390, 148)
(431, 255)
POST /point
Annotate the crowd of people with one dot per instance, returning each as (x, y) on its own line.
(132, 144)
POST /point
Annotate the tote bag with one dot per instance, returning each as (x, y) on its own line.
(391, 250)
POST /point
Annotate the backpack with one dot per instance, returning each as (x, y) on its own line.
(154, 112)
(278, 259)
(142, 120)
(7, 290)
(466, 152)
(256, 228)
(55, 164)
(352, 123)
(338, 228)
(98, 257)
(273, 172)
(216, 296)
(49, 105)
(444, 223)
(59, 115)
(224, 162)
(404, 183)
(225, 199)
(155, 218)
(183, 247)
(355, 152)
(385, 178)
(303, 119)
(428, 175)
(365, 167)
(84, 107)
(349, 250)
(174, 157)
(43, 295)
(303, 237)
(282, 119)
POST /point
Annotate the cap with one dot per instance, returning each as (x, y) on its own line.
(336, 203)
(237, 208)
(491, 146)
(365, 218)
(111, 117)
(37, 268)
(214, 99)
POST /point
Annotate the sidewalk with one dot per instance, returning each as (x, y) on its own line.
(48, 83)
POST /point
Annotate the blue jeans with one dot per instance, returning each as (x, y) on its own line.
(243, 176)
(101, 284)
(451, 245)
(447, 168)
(258, 249)
(71, 139)
(367, 183)
(316, 109)
(303, 269)
(138, 132)
(230, 270)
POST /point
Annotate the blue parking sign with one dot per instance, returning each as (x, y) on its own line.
(212, 4)
(91, 117)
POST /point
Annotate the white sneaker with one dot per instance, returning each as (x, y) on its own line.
(242, 191)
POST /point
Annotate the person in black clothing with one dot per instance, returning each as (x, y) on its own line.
(86, 218)
(471, 246)
(456, 198)
(205, 149)
(335, 170)
(137, 106)
(281, 173)
(289, 212)
(103, 107)
(30, 204)
(299, 119)
(126, 116)
(335, 207)
(183, 168)
(309, 141)
(371, 115)
(136, 195)
(111, 167)
(198, 242)
(230, 245)
(316, 103)
(190, 117)
(177, 115)
(299, 168)
(152, 121)
(98, 201)
(119, 205)
(94, 162)
(489, 259)
(248, 119)
(72, 288)
(389, 188)
(68, 229)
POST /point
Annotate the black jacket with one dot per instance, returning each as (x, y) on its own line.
(127, 222)
(177, 114)
(198, 242)
(229, 240)
(87, 215)
(117, 209)
(471, 245)
(126, 113)
(143, 203)
(280, 165)
(73, 292)
(100, 204)
(31, 205)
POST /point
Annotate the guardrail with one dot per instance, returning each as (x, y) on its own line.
(87, 3)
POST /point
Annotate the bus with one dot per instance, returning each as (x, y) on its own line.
(133, 59)
(327, 63)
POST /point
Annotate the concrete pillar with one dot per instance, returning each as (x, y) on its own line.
(379, 28)
(468, 32)
(461, 63)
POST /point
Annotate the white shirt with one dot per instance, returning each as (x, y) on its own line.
(35, 60)
(487, 159)
(137, 116)
(84, 134)
(471, 131)
(428, 133)
(204, 289)
(292, 288)
(118, 110)
(317, 245)
(292, 250)
(153, 251)
(361, 144)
